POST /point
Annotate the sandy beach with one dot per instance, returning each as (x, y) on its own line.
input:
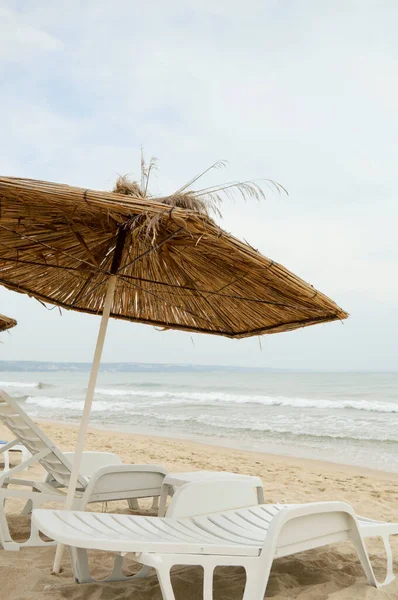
(332, 573)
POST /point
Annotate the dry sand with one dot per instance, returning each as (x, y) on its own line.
(332, 573)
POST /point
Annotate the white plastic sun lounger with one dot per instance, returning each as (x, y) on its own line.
(102, 479)
(250, 537)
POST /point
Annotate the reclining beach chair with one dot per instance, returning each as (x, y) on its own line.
(103, 477)
(250, 537)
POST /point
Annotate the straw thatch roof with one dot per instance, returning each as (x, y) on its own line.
(176, 268)
(6, 322)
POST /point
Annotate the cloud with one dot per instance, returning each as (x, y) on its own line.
(18, 39)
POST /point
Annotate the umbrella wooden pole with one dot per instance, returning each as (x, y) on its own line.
(86, 412)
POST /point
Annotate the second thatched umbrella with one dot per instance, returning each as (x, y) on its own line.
(147, 260)
(6, 323)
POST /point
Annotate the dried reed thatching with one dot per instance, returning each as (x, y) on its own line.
(175, 267)
(6, 322)
(205, 201)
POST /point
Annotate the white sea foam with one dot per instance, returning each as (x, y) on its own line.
(126, 392)
(196, 398)
(53, 402)
(20, 384)
(125, 400)
(60, 403)
(286, 427)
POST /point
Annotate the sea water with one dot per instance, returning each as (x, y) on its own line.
(340, 417)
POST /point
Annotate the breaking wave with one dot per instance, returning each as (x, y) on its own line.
(211, 398)
(23, 384)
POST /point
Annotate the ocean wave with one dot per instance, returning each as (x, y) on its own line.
(145, 384)
(214, 423)
(23, 384)
(125, 392)
(52, 402)
(164, 398)
(61, 403)
(207, 398)
(280, 426)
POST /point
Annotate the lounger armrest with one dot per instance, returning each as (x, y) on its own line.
(39, 486)
(38, 498)
(18, 481)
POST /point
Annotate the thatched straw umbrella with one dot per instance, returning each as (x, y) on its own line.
(6, 323)
(161, 261)
(172, 268)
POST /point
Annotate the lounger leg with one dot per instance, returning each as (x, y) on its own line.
(6, 540)
(363, 556)
(117, 571)
(142, 573)
(34, 538)
(163, 573)
(208, 583)
(80, 566)
(82, 574)
(6, 461)
(163, 500)
(27, 509)
(133, 504)
(155, 503)
(256, 581)
(390, 561)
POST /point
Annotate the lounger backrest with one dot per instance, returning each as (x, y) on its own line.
(124, 481)
(205, 497)
(33, 438)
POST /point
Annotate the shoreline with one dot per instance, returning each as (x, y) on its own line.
(283, 459)
(346, 421)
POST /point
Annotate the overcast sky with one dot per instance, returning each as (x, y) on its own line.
(303, 92)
